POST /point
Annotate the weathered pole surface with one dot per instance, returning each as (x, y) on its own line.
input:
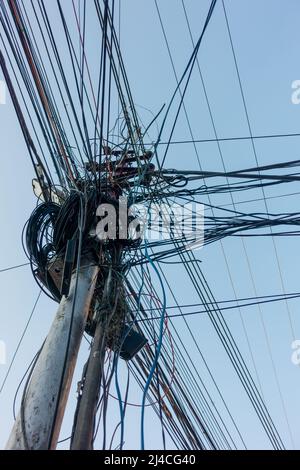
(82, 438)
(38, 424)
(83, 434)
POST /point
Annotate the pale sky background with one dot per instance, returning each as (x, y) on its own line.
(266, 37)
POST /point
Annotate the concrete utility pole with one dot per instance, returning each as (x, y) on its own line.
(39, 421)
(83, 434)
(87, 409)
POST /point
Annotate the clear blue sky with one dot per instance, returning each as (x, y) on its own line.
(266, 36)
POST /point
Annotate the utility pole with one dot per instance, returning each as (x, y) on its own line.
(83, 433)
(43, 405)
(82, 438)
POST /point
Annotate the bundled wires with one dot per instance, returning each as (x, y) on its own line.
(85, 160)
